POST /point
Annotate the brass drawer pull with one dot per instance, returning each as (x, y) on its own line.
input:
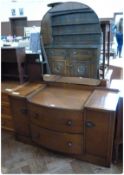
(36, 136)
(3, 123)
(89, 124)
(23, 111)
(69, 123)
(69, 144)
(36, 115)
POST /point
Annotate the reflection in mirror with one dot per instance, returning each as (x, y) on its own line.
(71, 37)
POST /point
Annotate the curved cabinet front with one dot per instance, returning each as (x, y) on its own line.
(61, 120)
(63, 142)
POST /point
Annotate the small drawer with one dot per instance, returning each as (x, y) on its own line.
(56, 119)
(7, 123)
(5, 109)
(67, 143)
(4, 97)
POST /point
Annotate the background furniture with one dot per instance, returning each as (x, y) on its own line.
(17, 25)
(34, 67)
(106, 30)
(13, 63)
(118, 138)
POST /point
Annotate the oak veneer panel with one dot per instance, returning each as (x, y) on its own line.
(7, 123)
(63, 98)
(20, 117)
(5, 109)
(97, 136)
(103, 100)
(63, 142)
(27, 89)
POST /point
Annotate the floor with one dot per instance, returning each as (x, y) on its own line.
(20, 158)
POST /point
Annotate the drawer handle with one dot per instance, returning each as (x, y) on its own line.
(24, 111)
(3, 123)
(36, 116)
(36, 136)
(89, 124)
(69, 123)
(69, 144)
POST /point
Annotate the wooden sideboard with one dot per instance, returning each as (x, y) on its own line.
(71, 118)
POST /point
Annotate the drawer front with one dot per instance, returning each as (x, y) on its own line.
(56, 119)
(4, 98)
(7, 123)
(5, 109)
(67, 143)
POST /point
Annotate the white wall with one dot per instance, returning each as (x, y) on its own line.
(35, 9)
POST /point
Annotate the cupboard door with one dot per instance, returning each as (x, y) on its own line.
(97, 133)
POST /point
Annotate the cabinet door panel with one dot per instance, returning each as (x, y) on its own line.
(58, 67)
(96, 132)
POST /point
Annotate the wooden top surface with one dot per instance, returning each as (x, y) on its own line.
(9, 86)
(58, 97)
(27, 89)
(103, 99)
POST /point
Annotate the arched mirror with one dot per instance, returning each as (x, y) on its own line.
(71, 37)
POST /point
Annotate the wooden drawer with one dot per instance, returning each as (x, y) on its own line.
(7, 123)
(56, 119)
(5, 109)
(68, 143)
(4, 97)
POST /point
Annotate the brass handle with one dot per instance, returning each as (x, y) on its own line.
(36, 116)
(69, 123)
(23, 111)
(36, 136)
(3, 123)
(89, 124)
(69, 144)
